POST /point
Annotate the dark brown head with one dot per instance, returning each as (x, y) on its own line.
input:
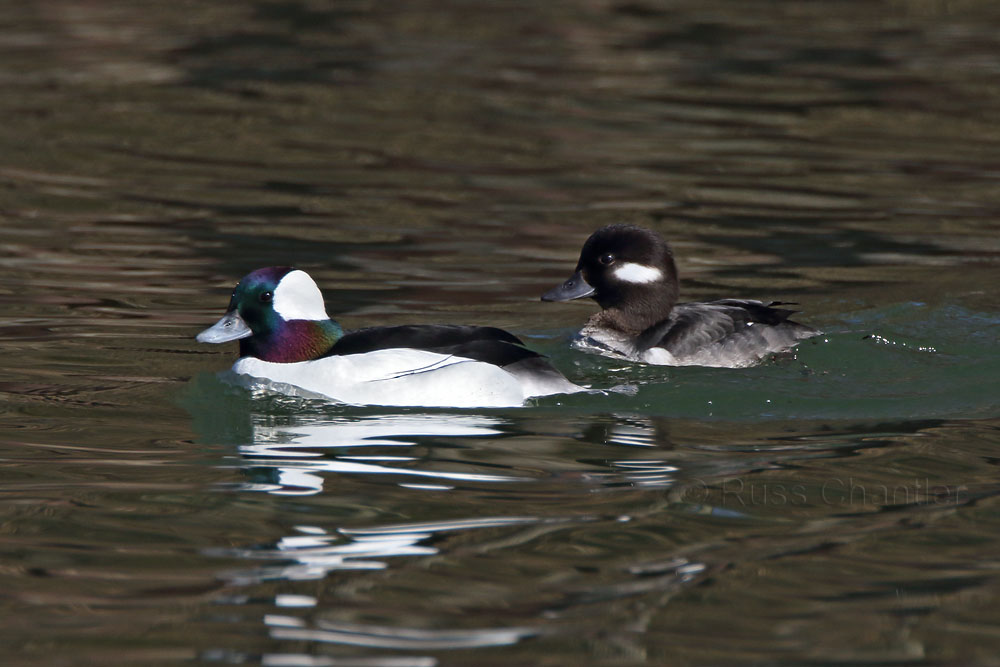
(626, 269)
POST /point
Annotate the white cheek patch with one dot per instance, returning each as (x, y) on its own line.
(298, 298)
(631, 272)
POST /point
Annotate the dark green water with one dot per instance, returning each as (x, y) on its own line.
(443, 162)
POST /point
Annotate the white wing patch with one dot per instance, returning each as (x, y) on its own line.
(631, 272)
(298, 298)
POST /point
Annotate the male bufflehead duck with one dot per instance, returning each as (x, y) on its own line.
(630, 272)
(286, 337)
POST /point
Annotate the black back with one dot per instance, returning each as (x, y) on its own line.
(488, 344)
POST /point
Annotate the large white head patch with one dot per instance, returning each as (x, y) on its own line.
(298, 298)
(630, 272)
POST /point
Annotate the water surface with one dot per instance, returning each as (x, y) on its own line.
(443, 162)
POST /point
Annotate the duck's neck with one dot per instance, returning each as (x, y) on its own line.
(295, 340)
(637, 315)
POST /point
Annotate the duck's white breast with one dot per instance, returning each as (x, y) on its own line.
(398, 377)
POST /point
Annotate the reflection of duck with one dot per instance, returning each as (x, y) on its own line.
(399, 536)
(630, 272)
(300, 457)
(287, 338)
(629, 431)
(634, 433)
(300, 454)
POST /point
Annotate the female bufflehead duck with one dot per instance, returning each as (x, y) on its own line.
(286, 337)
(630, 272)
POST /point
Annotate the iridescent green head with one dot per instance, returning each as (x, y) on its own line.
(277, 314)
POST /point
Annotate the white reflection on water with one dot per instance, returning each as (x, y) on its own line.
(287, 448)
(303, 660)
(632, 432)
(315, 553)
(647, 473)
(639, 433)
(402, 638)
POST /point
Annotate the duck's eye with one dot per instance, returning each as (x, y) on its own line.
(607, 259)
(266, 297)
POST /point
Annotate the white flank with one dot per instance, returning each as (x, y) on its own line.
(298, 298)
(659, 357)
(631, 272)
(396, 377)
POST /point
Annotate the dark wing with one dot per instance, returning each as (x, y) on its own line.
(693, 327)
(489, 344)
